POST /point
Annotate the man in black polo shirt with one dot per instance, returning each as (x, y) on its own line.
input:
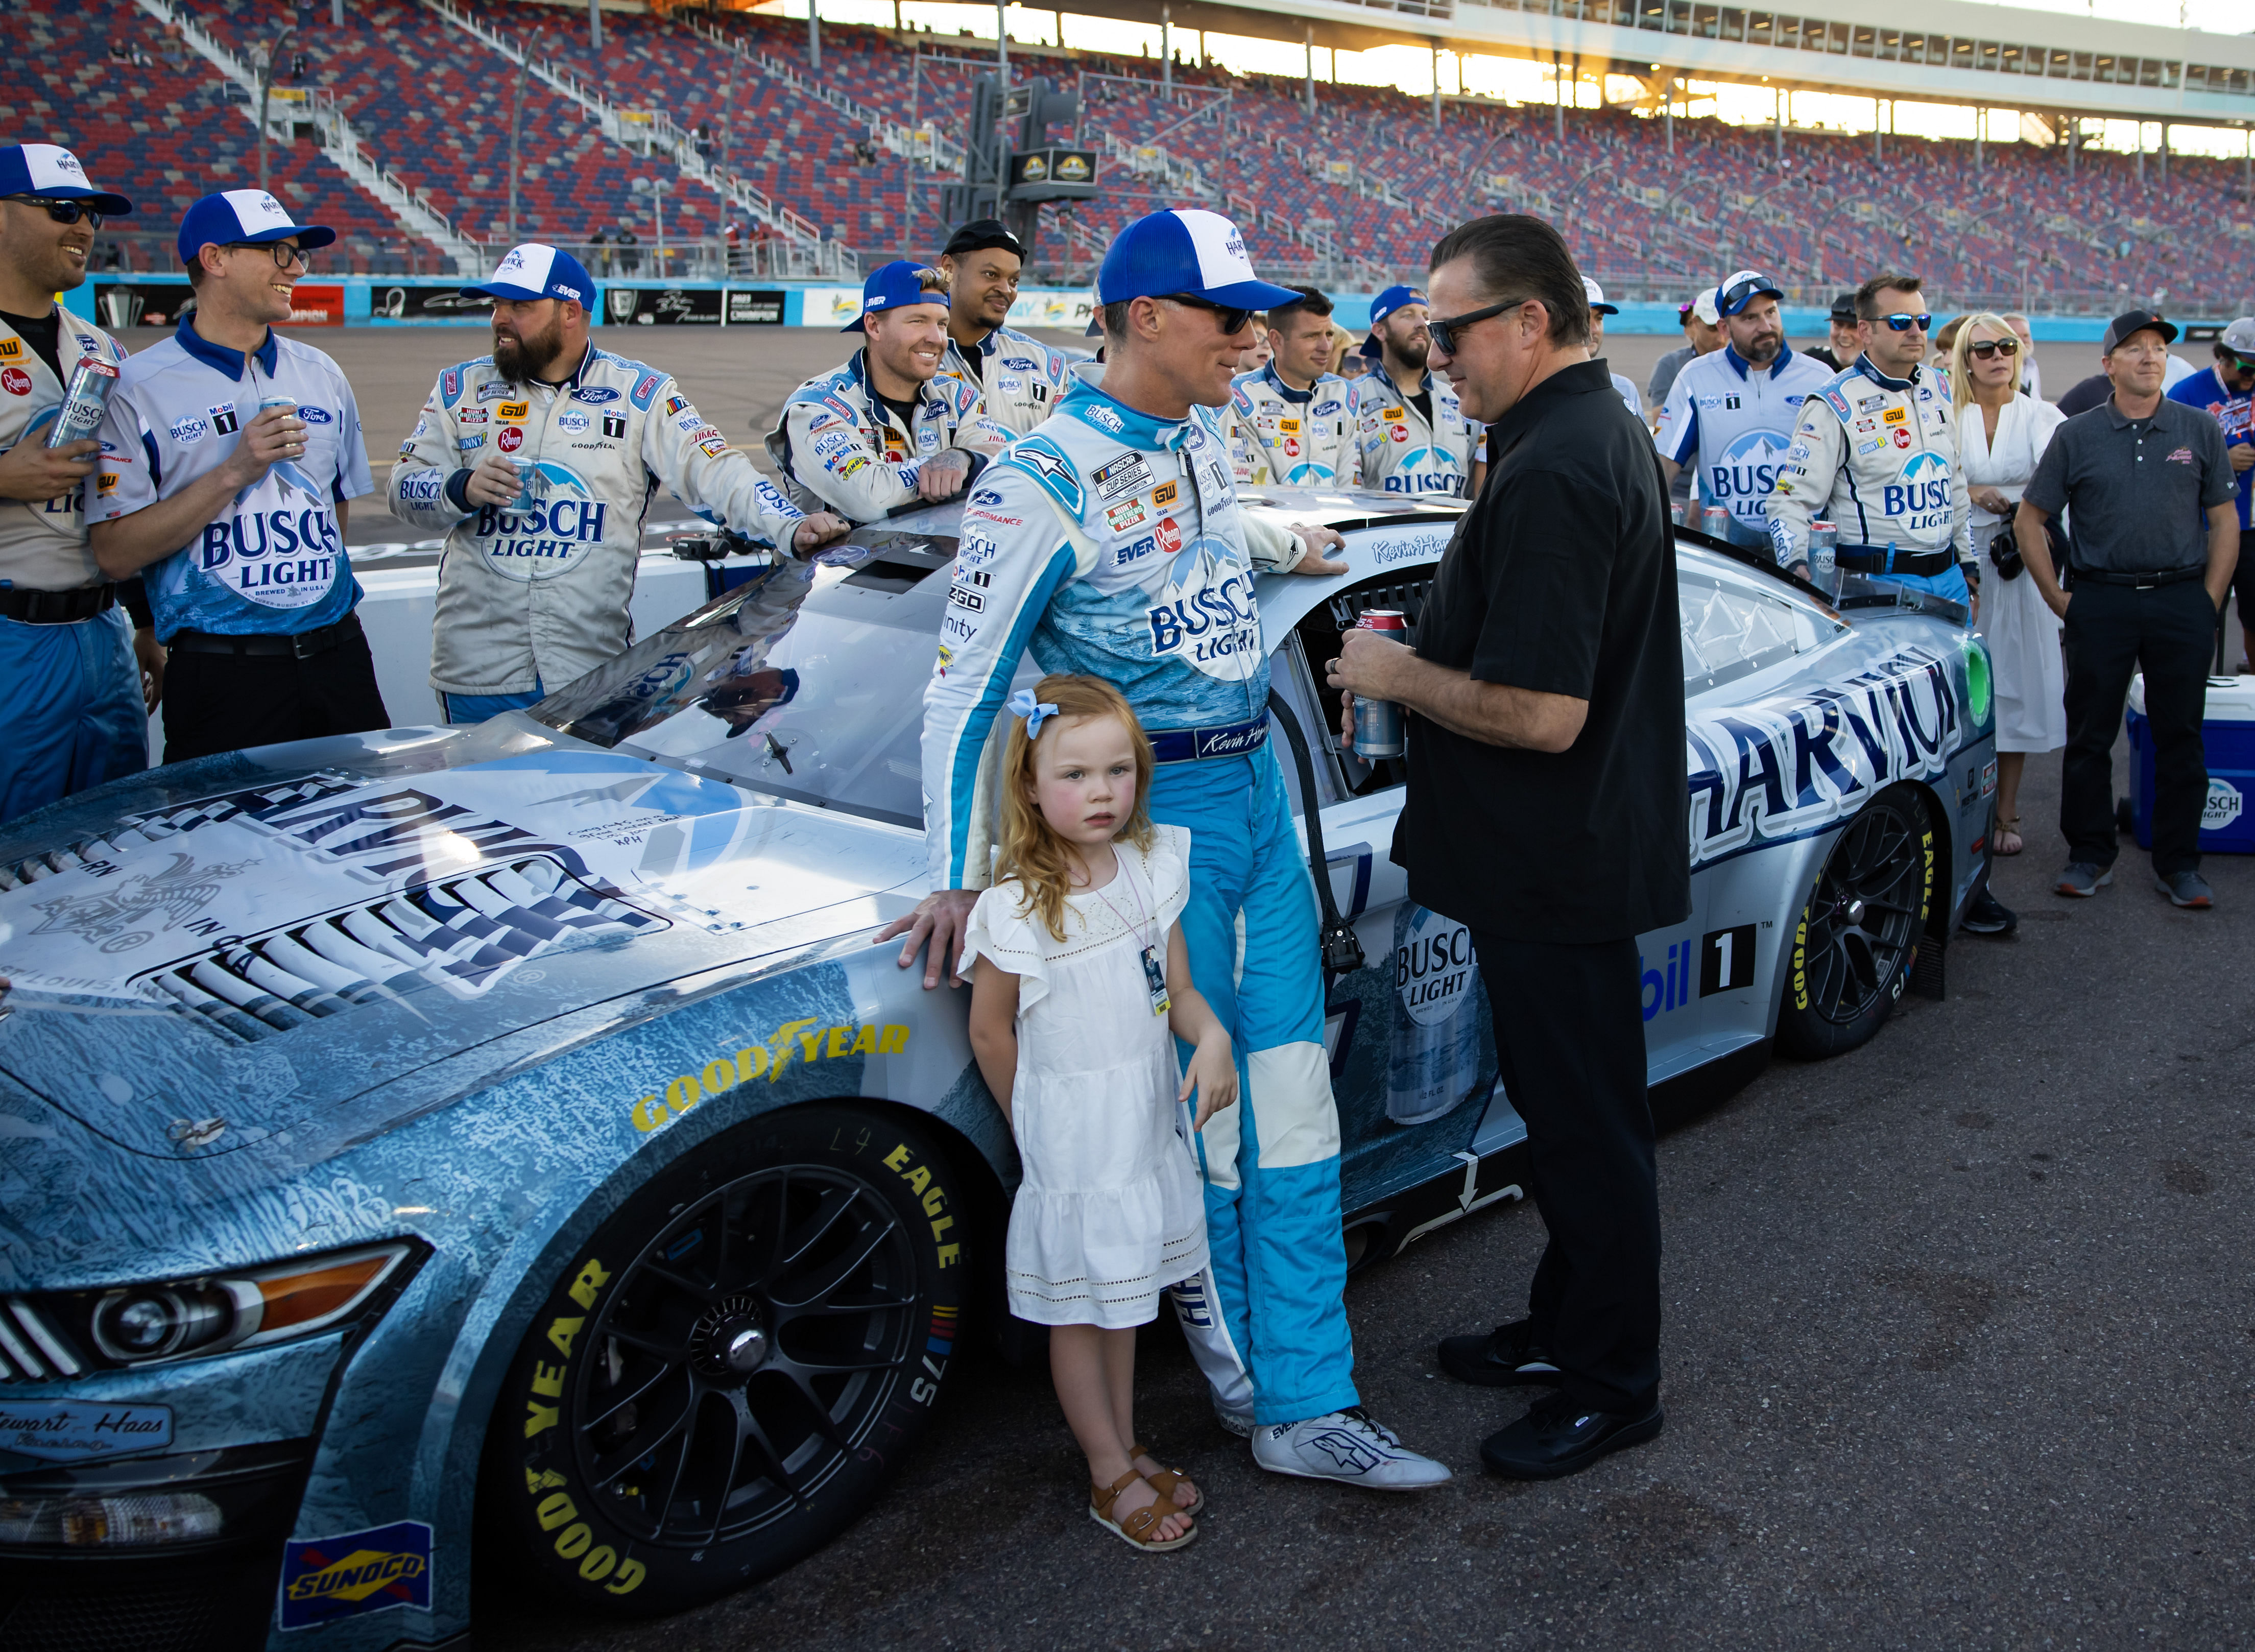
(1545, 812)
(2149, 490)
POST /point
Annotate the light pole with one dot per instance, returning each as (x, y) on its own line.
(515, 126)
(655, 188)
(266, 56)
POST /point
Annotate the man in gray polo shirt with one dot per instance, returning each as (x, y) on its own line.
(2149, 490)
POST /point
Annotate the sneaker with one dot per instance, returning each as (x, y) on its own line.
(2081, 878)
(1558, 1438)
(1344, 1446)
(2185, 889)
(1238, 1422)
(1508, 1357)
(1986, 915)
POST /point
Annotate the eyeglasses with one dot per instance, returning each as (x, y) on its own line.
(63, 212)
(1443, 330)
(1988, 348)
(1738, 294)
(1904, 323)
(2243, 363)
(283, 252)
(1230, 319)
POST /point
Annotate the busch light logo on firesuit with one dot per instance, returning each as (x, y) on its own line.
(278, 559)
(1207, 615)
(554, 528)
(1920, 497)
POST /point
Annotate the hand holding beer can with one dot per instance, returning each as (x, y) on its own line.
(1823, 556)
(84, 402)
(1377, 730)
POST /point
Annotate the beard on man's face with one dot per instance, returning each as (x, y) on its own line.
(518, 356)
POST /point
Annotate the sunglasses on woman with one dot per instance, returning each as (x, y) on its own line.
(1987, 348)
(63, 212)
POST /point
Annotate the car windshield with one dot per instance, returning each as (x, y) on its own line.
(805, 682)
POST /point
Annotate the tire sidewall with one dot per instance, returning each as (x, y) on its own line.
(1801, 1029)
(556, 1537)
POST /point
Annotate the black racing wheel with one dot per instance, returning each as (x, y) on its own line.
(1857, 936)
(727, 1371)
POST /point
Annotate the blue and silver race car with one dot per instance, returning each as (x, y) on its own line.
(503, 1146)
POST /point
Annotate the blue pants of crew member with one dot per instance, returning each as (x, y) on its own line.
(1950, 584)
(76, 716)
(1271, 1162)
(477, 708)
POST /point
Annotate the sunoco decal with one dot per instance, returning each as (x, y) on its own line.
(1782, 769)
(326, 1579)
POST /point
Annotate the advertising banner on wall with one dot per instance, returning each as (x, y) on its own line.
(661, 306)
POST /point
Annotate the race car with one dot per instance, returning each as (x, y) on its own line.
(504, 1147)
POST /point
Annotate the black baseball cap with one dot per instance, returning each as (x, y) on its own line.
(2135, 321)
(981, 233)
(1843, 307)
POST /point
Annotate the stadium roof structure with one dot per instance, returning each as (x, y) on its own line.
(1929, 50)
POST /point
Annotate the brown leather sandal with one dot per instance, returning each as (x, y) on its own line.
(1139, 1527)
(1166, 1479)
(2008, 829)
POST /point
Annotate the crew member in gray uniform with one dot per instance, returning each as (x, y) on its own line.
(78, 712)
(1021, 378)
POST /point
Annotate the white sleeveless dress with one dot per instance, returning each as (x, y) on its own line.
(1110, 1211)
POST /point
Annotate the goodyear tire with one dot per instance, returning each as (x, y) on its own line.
(725, 1373)
(1859, 934)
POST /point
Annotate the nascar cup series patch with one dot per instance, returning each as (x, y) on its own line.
(325, 1578)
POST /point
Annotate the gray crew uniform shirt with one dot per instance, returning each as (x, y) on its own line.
(2139, 489)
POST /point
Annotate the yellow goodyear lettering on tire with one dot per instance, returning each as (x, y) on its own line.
(1800, 963)
(598, 1562)
(1926, 886)
(803, 1041)
(933, 1198)
(547, 1381)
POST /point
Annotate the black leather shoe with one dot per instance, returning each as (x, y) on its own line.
(1508, 1357)
(1986, 915)
(1556, 1437)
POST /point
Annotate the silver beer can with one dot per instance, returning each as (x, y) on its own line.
(1378, 731)
(84, 402)
(1715, 522)
(1823, 555)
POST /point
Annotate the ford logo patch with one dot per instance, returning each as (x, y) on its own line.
(595, 395)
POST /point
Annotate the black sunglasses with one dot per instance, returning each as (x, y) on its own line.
(63, 212)
(1741, 293)
(282, 253)
(1443, 330)
(1988, 348)
(1904, 323)
(1228, 318)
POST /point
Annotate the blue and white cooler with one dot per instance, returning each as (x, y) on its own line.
(2227, 826)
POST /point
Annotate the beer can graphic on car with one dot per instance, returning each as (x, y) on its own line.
(1433, 1055)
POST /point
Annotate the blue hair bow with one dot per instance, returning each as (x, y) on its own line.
(1022, 704)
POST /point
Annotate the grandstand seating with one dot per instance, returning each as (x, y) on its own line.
(1366, 182)
(153, 121)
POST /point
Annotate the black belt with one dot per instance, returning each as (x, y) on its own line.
(2136, 581)
(304, 645)
(57, 608)
(1886, 558)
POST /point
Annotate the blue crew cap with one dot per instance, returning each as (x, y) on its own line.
(1392, 299)
(244, 214)
(537, 271)
(54, 174)
(1187, 252)
(894, 287)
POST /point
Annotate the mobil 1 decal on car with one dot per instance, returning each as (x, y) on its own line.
(1792, 766)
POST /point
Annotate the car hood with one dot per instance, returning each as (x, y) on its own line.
(205, 956)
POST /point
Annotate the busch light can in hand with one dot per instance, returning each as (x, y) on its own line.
(1823, 556)
(1433, 1054)
(1378, 722)
(80, 416)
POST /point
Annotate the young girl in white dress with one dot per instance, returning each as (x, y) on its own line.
(1080, 985)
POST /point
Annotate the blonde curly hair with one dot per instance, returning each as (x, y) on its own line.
(1031, 850)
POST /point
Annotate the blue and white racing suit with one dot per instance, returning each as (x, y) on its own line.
(1404, 452)
(1731, 422)
(1112, 544)
(1878, 457)
(1283, 437)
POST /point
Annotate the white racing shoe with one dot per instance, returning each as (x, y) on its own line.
(1346, 1446)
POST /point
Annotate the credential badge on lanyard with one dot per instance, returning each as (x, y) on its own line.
(1155, 969)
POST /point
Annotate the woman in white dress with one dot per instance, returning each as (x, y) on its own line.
(2002, 431)
(1080, 986)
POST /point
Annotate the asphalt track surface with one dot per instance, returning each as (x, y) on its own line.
(1957, 1353)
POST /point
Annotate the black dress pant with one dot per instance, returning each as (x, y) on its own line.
(228, 702)
(1569, 1043)
(2112, 631)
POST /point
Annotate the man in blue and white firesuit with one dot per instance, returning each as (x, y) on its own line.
(1289, 424)
(1731, 414)
(1111, 541)
(1414, 436)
